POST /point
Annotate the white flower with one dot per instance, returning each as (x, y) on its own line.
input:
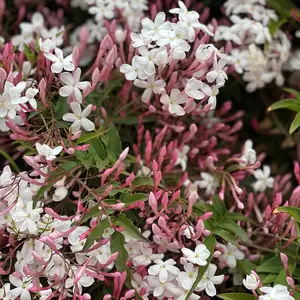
(37, 23)
(21, 289)
(204, 52)
(156, 29)
(172, 102)
(61, 191)
(189, 232)
(11, 94)
(78, 118)
(150, 86)
(84, 280)
(26, 218)
(29, 97)
(162, 289)
(133, 71)
(102, 10)
(278, 292)
(47, 45)
(257, 79)
(102, 254)
(212, 93)
(190, 23)
(162, 269)
(5, 292)
(196, 89)
(218, 73)
(208, 182)
(57, 266)
(209, 280)
(249, 154)
(251, 282)
(59, 62)
(48, 152)
(147, 60)
(74, 236)
(230, 255)
(239, 59)
(264, 180)
(198, 256)
(73, 85)
(138, 283)
(182, 157)
(146, 257)
(186, 279)
(182, 10)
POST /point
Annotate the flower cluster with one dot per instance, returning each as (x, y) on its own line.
(257, 54)
(165, 52)
(123, 177)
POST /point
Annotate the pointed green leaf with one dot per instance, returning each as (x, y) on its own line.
(225, 235)
(291, 104)
(117, 243)
(246, 266)
(295, 124)
(292, 211)
(273, 265)
(88, 136)
(125, 222)
(236, 296)
(234, 228)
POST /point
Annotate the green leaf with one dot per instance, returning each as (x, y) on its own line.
(295, 124)
(281, 278)
(292, 211)
(225, 235)
(61, 108)
(282, 7)
(142, 181)
(60, 171)
(236, 296)
(236, 217)
(96, 233)
(246, 266)
(41, 193)
(270, 278)
(296, 295)
(273, 265)
(117, 243)
(10, 160)
(114, 147)
(125, 222)
(30, 55)
(128, 198)
(234, 229)
(219, 206)
(210, 243)
(98, 151)
(88, 136)
(274, 25)
(291, 104)
(92, 213)
(85, 158)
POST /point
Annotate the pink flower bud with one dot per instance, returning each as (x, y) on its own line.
(290, 281)
(124, 154)
(284, 258)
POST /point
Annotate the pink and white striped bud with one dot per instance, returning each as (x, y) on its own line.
(123, 154)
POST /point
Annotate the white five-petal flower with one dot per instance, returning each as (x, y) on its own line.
(79, 118)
